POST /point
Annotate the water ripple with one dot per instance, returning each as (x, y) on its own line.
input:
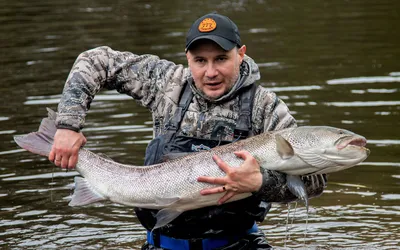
(390, 164)
(42, 176)
(294, 88)
(363, 104)
(12, 151)
(357, 80)
(385, 142)
(49, 100)
(31, 213)
(376, 91)
(7, 132)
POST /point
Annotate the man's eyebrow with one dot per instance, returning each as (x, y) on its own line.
(197, 57)
(218, 55)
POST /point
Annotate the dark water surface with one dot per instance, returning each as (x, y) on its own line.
(334, 63)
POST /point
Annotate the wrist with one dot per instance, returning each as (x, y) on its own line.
(69, 128)
(262, 182)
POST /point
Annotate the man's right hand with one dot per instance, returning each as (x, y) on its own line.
(64, 152)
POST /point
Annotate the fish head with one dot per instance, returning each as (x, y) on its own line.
(328, 149)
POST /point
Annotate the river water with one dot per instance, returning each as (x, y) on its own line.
(334, 63)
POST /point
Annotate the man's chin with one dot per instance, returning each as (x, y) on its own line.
(213, 95)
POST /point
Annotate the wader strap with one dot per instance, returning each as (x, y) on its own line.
(156, 238)
(184, 102)
(196, 244)
(243, 125)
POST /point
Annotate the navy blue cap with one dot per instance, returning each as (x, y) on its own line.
(217, 28)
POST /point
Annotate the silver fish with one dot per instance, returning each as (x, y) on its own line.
(172, 186)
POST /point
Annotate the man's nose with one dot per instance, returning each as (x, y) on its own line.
(211, 71)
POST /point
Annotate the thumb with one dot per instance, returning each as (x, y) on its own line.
(83, 141)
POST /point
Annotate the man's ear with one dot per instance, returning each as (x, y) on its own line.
(188, 57)
(242, 52)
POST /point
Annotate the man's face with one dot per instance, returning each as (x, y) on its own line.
(214, 70)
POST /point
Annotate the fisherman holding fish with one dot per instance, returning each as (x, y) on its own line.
(213, 101)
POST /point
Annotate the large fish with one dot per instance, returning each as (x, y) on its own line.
(172, 186)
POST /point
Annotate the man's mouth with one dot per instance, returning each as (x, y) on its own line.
(212, 83)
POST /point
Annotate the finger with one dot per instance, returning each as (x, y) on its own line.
(52, 156)
(247, 157)
(226, 197)
(64, 162)
(73, 160)
(83, 142)
(243, 154)
(58, 158)
(221, 164)
(57, 163)
(212, 180)
(215, 190)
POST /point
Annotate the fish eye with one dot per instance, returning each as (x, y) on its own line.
(341, 132)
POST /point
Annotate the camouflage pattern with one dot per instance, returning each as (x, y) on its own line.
(157, 85)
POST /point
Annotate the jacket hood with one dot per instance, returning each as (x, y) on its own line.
(249, 73)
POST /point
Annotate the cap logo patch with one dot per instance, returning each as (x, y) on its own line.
(207, 25)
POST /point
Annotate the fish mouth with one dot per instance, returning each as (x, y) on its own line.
(351, 141)
(361, 142)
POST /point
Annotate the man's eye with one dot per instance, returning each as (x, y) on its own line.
(200, 60)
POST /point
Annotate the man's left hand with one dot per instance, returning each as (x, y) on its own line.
(243, 179)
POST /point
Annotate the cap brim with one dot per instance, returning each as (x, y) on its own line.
(225, 44)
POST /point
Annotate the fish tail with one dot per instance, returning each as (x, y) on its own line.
(40, 142)
(297, 187)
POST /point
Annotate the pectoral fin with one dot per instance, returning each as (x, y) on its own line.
(297, 187)
(283, 147)
(166, 201)
(165, 216)
(84, 194)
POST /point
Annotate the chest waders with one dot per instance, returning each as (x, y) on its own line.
(210, 227)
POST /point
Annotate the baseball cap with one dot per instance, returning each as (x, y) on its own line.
(217, 28)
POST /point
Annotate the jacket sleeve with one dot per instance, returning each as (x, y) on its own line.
(275, 115)
(274, 188)
(272, 113)
(140, 76)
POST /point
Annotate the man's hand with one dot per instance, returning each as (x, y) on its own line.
(243, 179)
(64, 152)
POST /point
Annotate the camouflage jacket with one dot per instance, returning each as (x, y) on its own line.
(157, 84)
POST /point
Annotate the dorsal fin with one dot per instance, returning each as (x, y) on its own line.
(173, 156)
(105, 156)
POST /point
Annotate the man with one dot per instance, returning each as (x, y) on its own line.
(213, 102)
